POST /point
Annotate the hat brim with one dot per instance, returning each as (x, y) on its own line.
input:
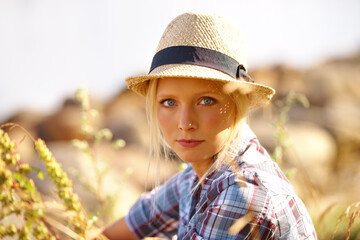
(258, 94)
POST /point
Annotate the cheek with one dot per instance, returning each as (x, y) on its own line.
(219, 119)
(218, 126)
(165, 122)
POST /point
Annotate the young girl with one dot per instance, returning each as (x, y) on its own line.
(198, 94)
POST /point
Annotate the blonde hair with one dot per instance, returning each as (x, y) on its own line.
(160, 149)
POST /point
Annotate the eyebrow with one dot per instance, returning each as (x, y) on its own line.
(161, 96)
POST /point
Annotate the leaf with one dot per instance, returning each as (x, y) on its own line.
(40, 174)
(25, 181)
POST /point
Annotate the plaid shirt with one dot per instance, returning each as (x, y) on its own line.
(257, 186)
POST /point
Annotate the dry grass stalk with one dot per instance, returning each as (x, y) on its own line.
(255, 232)
(351, 212)
(325, 212)
(61, 227)
(241, 180)
(239, 224)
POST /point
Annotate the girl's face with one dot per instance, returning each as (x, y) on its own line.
(195, 118)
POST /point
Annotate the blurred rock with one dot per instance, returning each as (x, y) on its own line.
(313, 152)
(27, 118)
(333, 79)
(125, 116)
(65, 123)
(282, 78)
(343, 118)
(62, 125)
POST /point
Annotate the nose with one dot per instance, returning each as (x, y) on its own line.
(187, 120)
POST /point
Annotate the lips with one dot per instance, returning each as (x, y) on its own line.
(189, 143)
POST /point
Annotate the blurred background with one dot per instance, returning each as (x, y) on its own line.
(304, 49)
(48, 48)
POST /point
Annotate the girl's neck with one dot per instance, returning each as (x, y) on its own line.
(201, 168)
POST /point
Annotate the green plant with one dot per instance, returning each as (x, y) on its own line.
(91, 138)
(20, 198)
(283, 142)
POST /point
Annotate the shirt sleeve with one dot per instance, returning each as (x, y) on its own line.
(156, 213)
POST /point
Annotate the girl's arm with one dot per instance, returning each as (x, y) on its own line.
(119, 230)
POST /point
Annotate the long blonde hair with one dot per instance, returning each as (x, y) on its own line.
(160, 149)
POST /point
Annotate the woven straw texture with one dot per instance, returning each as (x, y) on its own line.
(207, 31)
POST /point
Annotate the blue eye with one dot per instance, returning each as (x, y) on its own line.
(168, 102)
(207, 101)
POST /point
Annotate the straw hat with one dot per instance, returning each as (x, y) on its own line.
(203, 46)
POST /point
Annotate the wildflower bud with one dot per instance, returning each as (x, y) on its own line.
(16, 157)
(24, 168)
(83, 97)
(5, 177)
(86, 129)
(11, 230)
(74, 203)
(81, 145)
(24, 233)
(119, 143)
(64, 181)
(41, 231)
(94, 113)
(103, 134)
(5, 197)
(12, 146)
(9, 159)
(65, 193)
(2, 230)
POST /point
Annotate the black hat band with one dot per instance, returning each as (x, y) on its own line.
(199, 56)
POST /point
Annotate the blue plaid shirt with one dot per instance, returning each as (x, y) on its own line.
(257, 185)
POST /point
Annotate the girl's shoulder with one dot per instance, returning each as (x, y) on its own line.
(263, 190)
